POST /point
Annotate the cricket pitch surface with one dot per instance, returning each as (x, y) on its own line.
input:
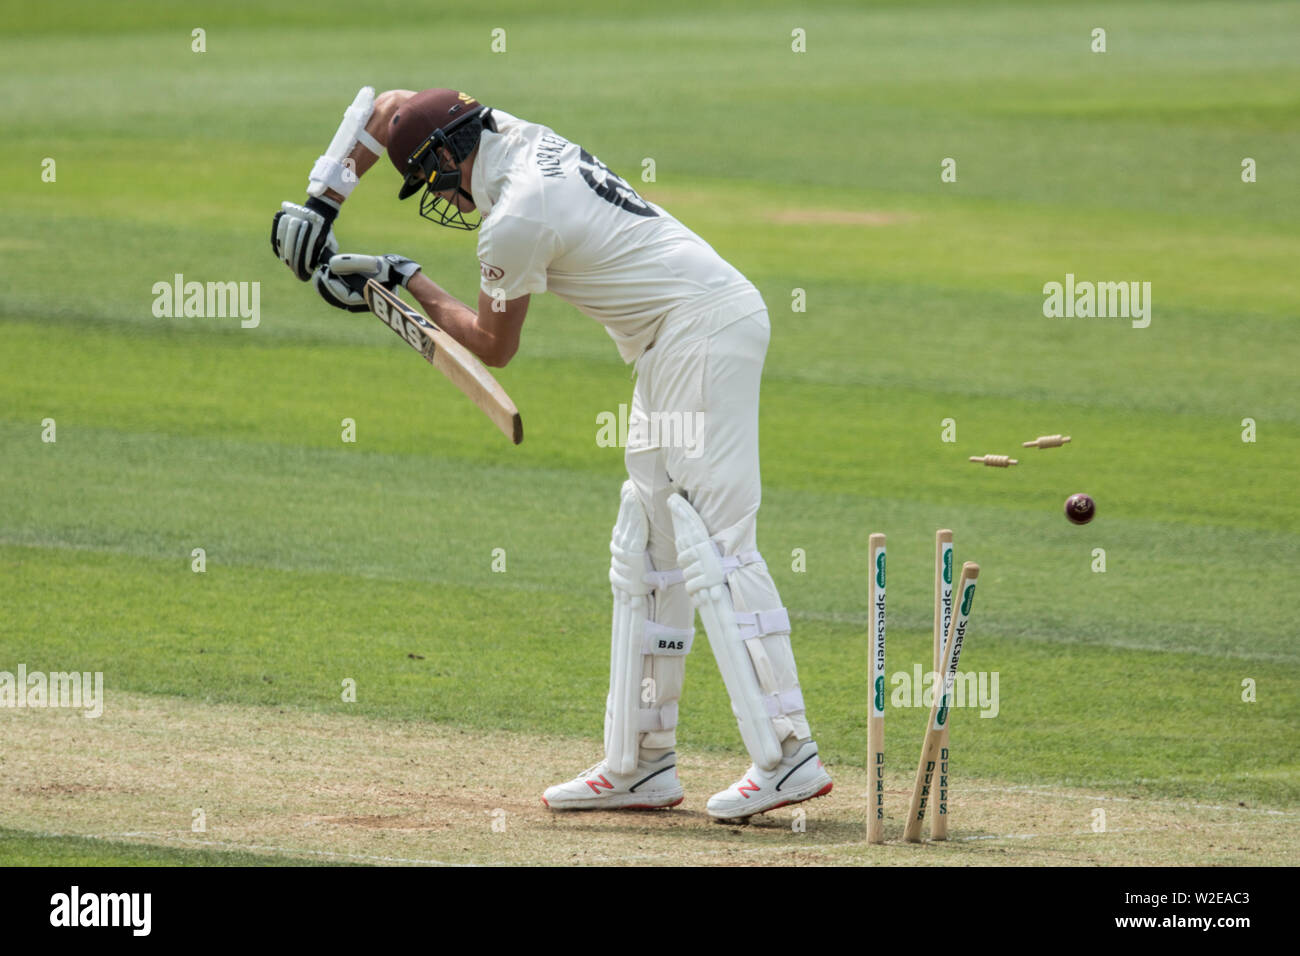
(331, 788)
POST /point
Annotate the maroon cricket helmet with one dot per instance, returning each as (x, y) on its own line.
(428, 121)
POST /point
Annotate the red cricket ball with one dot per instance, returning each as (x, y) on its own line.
(1080, 509)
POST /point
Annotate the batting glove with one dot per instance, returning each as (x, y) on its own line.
(342, 281)
(303, 236)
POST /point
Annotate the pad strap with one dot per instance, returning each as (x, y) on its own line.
(658, 580)
(732, 562)
(369, 142)
(657, 718)
(753, 624)
(786, 702)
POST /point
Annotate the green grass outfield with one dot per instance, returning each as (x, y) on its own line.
(372, 560)
(49, 849)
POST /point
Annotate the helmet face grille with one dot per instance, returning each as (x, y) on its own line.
(424, 168)
(444, 212)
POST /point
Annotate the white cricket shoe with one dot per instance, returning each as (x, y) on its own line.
(795, 779)
(649, 787)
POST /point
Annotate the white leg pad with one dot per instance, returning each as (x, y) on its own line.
(647, 658)
(706, 582)
(627, 570)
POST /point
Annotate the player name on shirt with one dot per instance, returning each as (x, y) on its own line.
(548, 155)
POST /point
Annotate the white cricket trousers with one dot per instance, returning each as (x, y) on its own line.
(693, 428)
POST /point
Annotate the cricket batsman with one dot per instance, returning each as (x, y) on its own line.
(551, 217)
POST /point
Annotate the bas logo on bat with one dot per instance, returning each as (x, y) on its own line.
(402, 324)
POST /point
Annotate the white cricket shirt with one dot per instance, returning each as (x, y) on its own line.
(556, 219)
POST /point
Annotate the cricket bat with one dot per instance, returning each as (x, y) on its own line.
(449, 357)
